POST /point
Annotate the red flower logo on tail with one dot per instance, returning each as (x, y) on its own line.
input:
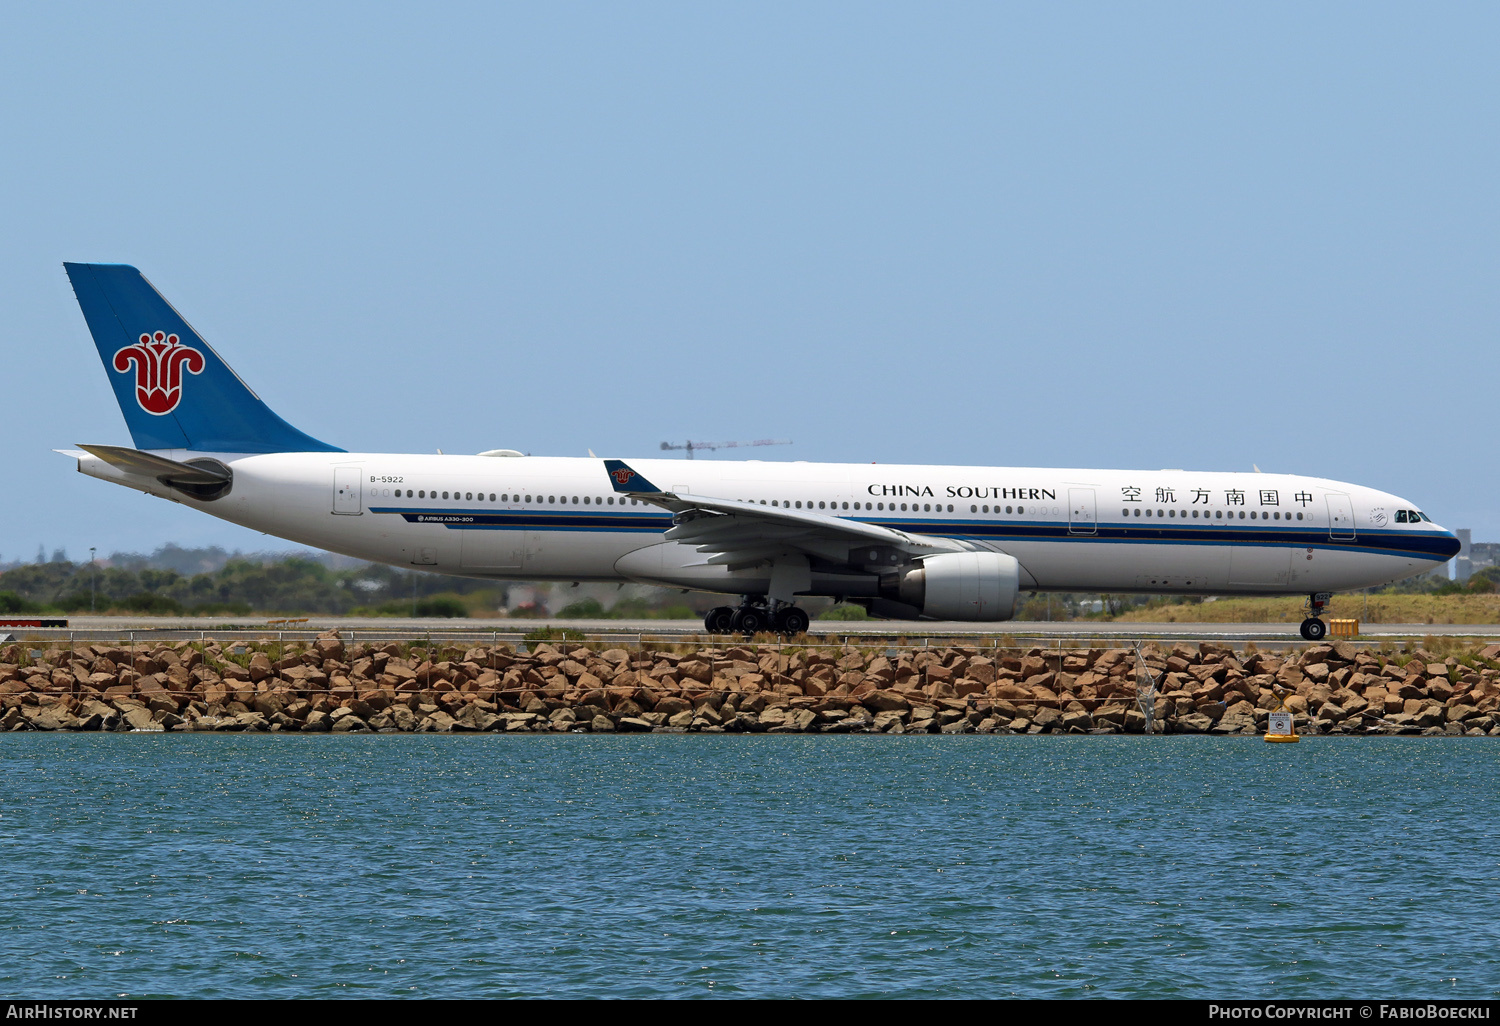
(159, 361)
(622, 476)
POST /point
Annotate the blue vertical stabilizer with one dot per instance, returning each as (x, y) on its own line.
(174, 390)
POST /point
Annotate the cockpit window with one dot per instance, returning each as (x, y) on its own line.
(1400, 516)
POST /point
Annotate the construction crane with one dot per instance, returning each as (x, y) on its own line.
(691, 446)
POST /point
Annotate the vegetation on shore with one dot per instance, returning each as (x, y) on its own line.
(210, 582)
(1378, 607)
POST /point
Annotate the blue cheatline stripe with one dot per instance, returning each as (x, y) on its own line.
(1423, 545)
(542, 520)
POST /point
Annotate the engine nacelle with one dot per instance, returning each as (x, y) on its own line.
(959, 586)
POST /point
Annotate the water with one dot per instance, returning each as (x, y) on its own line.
(486, 866)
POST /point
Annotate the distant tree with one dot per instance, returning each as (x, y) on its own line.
(12, 604)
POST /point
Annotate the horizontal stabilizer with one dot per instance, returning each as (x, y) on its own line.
(134, 461)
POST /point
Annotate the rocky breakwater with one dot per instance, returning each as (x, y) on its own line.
(328, 686)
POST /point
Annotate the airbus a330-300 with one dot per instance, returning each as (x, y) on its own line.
(950, 543)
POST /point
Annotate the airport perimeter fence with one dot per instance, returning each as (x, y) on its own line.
(279, 640)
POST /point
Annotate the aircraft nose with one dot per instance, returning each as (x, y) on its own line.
(1450, 545)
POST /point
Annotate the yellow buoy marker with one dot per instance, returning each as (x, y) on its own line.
(1280, 727)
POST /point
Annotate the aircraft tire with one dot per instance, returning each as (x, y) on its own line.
(717, 619)
(1314, 629)
(792, 621)
(748, 620)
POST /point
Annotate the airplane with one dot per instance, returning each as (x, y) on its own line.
(906, 542)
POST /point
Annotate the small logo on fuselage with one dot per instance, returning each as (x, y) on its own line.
(159, 360)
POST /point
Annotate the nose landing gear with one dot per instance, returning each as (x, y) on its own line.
(1313, 628)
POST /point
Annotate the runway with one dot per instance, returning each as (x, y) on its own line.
(100, 628)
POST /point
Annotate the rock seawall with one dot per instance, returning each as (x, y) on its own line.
(568, 687)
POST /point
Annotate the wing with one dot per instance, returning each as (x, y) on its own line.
(740, 534)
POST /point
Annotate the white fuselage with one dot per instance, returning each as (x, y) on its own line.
(540, 518)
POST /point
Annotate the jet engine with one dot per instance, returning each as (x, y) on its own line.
(958, 586)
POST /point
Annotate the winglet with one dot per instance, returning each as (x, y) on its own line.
(627, 481)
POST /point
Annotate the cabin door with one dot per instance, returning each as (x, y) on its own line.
(348, 495)
(1082, 517)
(1340, 517)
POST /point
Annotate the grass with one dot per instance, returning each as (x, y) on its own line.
(1378, 608)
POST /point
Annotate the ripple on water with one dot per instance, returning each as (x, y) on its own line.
(265, 866)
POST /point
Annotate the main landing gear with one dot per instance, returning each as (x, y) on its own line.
(752, 618)
(1313, 628)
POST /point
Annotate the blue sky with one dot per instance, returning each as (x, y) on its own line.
(1147, 235)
